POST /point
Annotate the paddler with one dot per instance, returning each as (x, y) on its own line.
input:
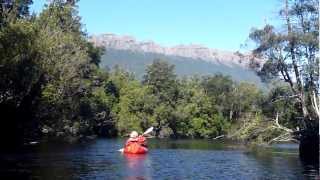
(137, 144)
(135, 138)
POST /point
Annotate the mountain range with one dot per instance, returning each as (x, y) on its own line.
(133, 56)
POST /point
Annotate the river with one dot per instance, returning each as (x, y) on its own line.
(167, 159)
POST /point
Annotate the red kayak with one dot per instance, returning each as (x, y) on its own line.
(136, 146)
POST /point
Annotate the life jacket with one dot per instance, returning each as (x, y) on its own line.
(136, 145)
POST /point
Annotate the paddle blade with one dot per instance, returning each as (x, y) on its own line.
(148, 130)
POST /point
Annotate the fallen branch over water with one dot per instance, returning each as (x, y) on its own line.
(286, 137)
(264, 132)
(281, 127)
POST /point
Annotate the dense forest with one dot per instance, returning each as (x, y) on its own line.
(51, 84)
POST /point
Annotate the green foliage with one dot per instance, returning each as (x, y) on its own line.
(51, 83)
(161, 79)
(94, 53)
(280, 101)
(45, 68)
(176, 108)
(129, 108)
(20, 67)
(247, 98)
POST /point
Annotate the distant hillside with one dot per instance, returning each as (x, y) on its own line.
(189, 60)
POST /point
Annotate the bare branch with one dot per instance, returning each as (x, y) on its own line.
(281, 127)
(280, 98)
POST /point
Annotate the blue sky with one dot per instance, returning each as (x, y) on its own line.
(221, 24)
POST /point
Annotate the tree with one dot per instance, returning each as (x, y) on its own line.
(162, 83)
(220, 89)
(20, 76)
(246, 98)
(65, 60)
(45, 64)
(161, 79)
(196, 115)
(292, 54)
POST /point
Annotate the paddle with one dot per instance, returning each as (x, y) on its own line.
(149, 130)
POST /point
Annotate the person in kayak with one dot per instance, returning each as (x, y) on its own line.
(136, 144)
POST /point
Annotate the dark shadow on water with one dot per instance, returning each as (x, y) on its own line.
(284, 159)
(310, 168)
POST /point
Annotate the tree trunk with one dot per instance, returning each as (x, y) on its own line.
(309, 136)
(315, 102)
(309, 146)
(230, 115)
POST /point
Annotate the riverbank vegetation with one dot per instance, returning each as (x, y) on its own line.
(51, 85)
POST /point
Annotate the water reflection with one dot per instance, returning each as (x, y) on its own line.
(310, 169)
(137, 166)
(284, 159)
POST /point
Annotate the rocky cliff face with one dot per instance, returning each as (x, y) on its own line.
(193, 51)
(134, 56)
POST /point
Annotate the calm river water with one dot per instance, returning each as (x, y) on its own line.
(167, 159)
